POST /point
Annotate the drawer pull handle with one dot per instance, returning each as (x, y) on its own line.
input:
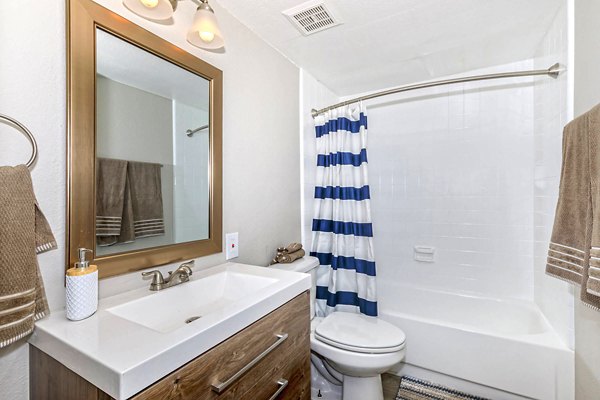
(220, 387)
(282, 385)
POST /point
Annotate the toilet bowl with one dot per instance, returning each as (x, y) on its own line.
(355, 349)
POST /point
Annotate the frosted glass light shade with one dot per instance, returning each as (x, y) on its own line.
(154, 10)
(205, 32)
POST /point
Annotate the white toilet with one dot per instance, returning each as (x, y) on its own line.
(350, 349)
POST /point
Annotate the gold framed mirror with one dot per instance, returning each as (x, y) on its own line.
(145, 145)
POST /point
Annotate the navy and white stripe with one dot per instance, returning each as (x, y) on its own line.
(342, 230)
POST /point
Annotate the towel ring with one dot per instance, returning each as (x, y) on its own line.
(27, 133)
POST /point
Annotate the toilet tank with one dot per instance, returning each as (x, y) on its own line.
(307, 265)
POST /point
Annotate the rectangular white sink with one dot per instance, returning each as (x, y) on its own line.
(177, 306)
(137, 337)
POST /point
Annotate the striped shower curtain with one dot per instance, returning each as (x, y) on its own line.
(342, 237)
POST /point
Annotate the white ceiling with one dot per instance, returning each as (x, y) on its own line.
(130, 65)
(385, 43)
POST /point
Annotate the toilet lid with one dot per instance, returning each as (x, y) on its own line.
(360, 333)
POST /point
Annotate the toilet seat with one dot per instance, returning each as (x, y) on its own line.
(359, 333)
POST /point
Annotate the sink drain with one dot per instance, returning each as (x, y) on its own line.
(192, 319)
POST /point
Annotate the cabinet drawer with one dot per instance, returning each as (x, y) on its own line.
(289, 360)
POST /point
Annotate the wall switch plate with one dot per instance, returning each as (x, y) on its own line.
(424, 254)
(232, 246)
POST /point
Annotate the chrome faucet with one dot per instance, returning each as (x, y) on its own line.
(180, 275)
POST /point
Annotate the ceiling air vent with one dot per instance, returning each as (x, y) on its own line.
(311, 17)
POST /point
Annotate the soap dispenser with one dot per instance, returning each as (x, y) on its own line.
(82, 288)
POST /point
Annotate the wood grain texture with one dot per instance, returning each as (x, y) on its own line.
(50, 380)
(291, 361)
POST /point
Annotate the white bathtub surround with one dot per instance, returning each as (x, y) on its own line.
(456, 168)
(552, 110)
(342, 237)
(505, 344)
(157, 338)
(452, 168)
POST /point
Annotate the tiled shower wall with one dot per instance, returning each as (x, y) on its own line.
(471, 170)
(191, 173)
(452, 168)
(551, 114)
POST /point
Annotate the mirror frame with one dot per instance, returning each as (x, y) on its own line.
(84, 16)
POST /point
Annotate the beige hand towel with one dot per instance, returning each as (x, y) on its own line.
(291, 257)
(24, 232)
(573, 248)
(290, 248)
(110, 198)
(286, 258)
(146, 198)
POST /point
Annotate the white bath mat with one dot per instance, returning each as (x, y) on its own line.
(417, 389)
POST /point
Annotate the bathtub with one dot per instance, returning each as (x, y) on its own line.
(507, 345)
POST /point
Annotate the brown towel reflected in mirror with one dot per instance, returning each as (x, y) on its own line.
(129, 202)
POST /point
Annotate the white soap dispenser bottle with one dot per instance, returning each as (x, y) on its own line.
(82, 288)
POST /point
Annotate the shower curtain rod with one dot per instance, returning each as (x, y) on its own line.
(190, 132)
(554, 71)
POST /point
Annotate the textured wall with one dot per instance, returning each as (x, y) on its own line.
(136, 125)
(260, 139)
(587, 95)
(32, 90)
(313, 95)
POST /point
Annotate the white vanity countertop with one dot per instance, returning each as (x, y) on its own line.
(122, 357)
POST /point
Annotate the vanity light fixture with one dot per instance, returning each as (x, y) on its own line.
(156, 10)
(204, 33)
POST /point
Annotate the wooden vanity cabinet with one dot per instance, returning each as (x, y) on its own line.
(288, 362)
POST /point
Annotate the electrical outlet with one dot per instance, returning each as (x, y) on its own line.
(232, 246)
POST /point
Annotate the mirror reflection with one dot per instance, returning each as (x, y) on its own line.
(152, 150)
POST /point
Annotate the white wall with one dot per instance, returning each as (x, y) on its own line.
(452, 167)
(587, 95)
(587, 55)
(135, 125)
(552, 112)
(260, 139)
(32, 90)
(313, 94)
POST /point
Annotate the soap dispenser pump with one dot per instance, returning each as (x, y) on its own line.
(82, 288)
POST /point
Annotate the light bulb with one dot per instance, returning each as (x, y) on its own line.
(149, 3)
(206, 36)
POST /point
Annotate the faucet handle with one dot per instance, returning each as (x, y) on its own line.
(157, 278)
(187, 266)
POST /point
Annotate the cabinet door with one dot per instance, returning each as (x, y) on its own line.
(289, 361)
